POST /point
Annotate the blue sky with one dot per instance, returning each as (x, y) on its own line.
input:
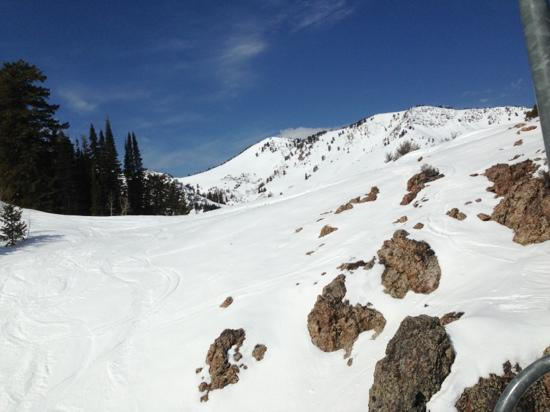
(198, 81)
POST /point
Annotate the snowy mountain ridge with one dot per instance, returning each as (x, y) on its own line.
(223, 310)
(286, 165)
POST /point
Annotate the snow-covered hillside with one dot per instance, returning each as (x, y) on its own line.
(118, 314)
(278, 166)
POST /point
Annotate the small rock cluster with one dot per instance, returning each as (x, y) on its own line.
(369, 197)
(456, 214)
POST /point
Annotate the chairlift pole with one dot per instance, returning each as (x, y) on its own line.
(535, 16)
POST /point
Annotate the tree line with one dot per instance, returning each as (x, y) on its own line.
(42, 168)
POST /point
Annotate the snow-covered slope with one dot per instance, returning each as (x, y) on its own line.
(116, 314)
(279, 166)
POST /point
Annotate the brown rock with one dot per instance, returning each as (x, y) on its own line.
(402, 219)
(228, 301)
(356, 200)
(370, 263)
(418, 181)
(469, 202)
(222, 373)
(204, 398)
(483, 216)
(456, 214)
(298, 229)
(410, 265)
(527, 128)
(419, 159)
(450, 317)
(371, 196)
(334, 324)
(418, 226)
(519, 125)
(418, 359)
(343, 208)
(326, 230)
(478, 200)
(350, 361)
(525, 207)
(484, 395)
(505, 176)
(352, 265)
(311, 252)
(474, 174)
(198, 370)
(518, 142)
(259, 351)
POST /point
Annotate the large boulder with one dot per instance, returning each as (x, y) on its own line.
(335, 324)
(418, 359)
(525, 207)
(410, 265)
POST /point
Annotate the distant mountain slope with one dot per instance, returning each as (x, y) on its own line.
(282, 165)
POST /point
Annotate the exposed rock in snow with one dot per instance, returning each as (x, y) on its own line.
(525, 207)
(410, 265)
(223, 373)
(418, 359)
(418, 226)
(259, 351)
(228, 301)
(352, 265)
(483, 396)
(451, 317)
(326, 230)
(456, 214)
(418, 182)
(335, 324)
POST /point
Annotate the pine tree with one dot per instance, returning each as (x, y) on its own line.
(27, 131)
(13, 228)
(112, 172)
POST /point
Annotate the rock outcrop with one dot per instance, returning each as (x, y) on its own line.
(483, 396)
(259, 351)
(335, 324)
(326, 230)
(451, 317)
(418, 359)
(223, 373)
(410, 265)
(456, 214)
(525, 207)
(418, 182)
(228, 301)
(369, 197)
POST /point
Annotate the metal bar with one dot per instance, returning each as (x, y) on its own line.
(521, 383)
(535, 16)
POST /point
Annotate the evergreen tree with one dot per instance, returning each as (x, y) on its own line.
(134, 173)
(13, 228)
(112, 172)
(27, 130)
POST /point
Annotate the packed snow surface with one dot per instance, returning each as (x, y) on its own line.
(116, 314)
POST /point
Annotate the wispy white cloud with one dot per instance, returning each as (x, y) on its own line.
(84, 100)
(77, 102)
(233, 63)
(312, 13)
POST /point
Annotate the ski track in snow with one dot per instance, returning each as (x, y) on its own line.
(115, 314)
